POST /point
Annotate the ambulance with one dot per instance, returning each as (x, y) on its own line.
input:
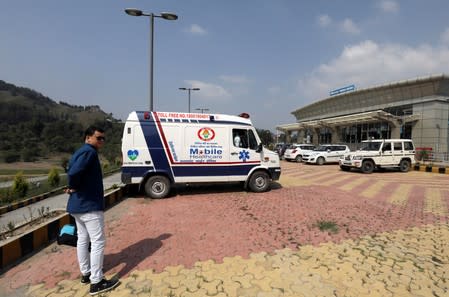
(162, 149)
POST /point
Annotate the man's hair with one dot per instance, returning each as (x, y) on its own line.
(91, 131)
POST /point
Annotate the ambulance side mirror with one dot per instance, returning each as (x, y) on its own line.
(259, 148)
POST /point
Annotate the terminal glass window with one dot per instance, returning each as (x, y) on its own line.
(359, 132)
(325, 135)
(406, 131)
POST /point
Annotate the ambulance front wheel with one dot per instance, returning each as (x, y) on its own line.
(259, 182)
(157, 187)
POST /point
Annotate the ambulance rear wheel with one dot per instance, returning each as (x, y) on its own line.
(157, 187)
(259, 182)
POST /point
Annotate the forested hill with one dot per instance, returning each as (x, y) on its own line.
(33, 126)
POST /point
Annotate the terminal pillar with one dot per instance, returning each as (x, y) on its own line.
(395, 132)
(335, 135)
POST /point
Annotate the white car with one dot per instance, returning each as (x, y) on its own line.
(296, 151)
(326, 153)
(381, 153)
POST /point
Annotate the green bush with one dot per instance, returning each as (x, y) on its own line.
(6, 196)
(20, 185)
(53, 177)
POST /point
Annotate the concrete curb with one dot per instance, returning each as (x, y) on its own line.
(19, 247)
(431, 168)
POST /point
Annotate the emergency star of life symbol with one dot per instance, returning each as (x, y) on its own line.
(244, 155)
(206, 134)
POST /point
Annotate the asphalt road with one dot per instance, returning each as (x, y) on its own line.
(58, 202)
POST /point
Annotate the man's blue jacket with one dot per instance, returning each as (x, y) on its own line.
(86, 179)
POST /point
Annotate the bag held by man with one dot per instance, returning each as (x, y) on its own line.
(67, 235)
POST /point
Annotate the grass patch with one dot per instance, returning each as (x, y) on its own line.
(327, 226)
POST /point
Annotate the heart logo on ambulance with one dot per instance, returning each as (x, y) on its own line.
(206, 134)
(133, 154)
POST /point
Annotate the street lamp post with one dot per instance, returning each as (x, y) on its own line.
(202, 109)
(189, 89)
(163, 15)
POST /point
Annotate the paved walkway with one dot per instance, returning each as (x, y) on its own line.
(391, 240)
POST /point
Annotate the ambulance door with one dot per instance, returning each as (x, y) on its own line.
(243, 149)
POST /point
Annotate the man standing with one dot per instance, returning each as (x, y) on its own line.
(86, 205)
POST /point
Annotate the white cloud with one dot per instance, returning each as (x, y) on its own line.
(208, 90)
(324, 20)
(368, 64)
(445, 37)
(197, 30)
(238, 79)
(389, 6)
(348, 26)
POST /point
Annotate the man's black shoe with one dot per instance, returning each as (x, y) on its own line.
(103, 286)
(85, 279)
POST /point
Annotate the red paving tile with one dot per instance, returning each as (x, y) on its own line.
(152, 234)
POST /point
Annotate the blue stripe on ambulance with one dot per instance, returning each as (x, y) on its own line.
(181, 171)
(160, 160)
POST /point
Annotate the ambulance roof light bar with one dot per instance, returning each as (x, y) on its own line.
(244, 115)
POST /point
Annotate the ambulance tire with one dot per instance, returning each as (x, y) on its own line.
(157, 187)
(259, 182)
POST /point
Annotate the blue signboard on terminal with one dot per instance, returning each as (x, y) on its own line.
(342, 90)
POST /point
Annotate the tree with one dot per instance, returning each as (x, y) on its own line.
(65, 164)
(53, 177)
(20, 185)
(265, 136)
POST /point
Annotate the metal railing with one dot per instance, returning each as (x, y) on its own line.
(434, 157)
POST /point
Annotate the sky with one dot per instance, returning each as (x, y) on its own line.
(264, 57)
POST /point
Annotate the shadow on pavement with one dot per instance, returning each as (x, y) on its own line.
(134, 254)
(207, 188)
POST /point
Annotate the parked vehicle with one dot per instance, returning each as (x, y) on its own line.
(281, 148)
(160, 149)
(296, 151)
(381, 153)
(326, 153)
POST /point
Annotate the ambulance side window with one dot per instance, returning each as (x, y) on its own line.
(240, 138)
(252, 140)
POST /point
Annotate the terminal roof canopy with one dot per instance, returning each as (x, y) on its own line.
(371, 104)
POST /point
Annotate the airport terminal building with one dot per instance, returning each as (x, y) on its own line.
(416, 109)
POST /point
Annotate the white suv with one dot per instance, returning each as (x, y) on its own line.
(326, 153)
(381, 153)
(296, 151)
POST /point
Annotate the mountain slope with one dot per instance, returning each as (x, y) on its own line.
(34, 126)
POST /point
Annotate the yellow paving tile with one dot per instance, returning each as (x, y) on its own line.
(434, 202)
(212, 288)
(401, 194)
(354, 183)
(374, 188)
(291, 181)
(335, 180)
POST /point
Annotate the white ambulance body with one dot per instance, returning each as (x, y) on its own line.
(164, 148)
